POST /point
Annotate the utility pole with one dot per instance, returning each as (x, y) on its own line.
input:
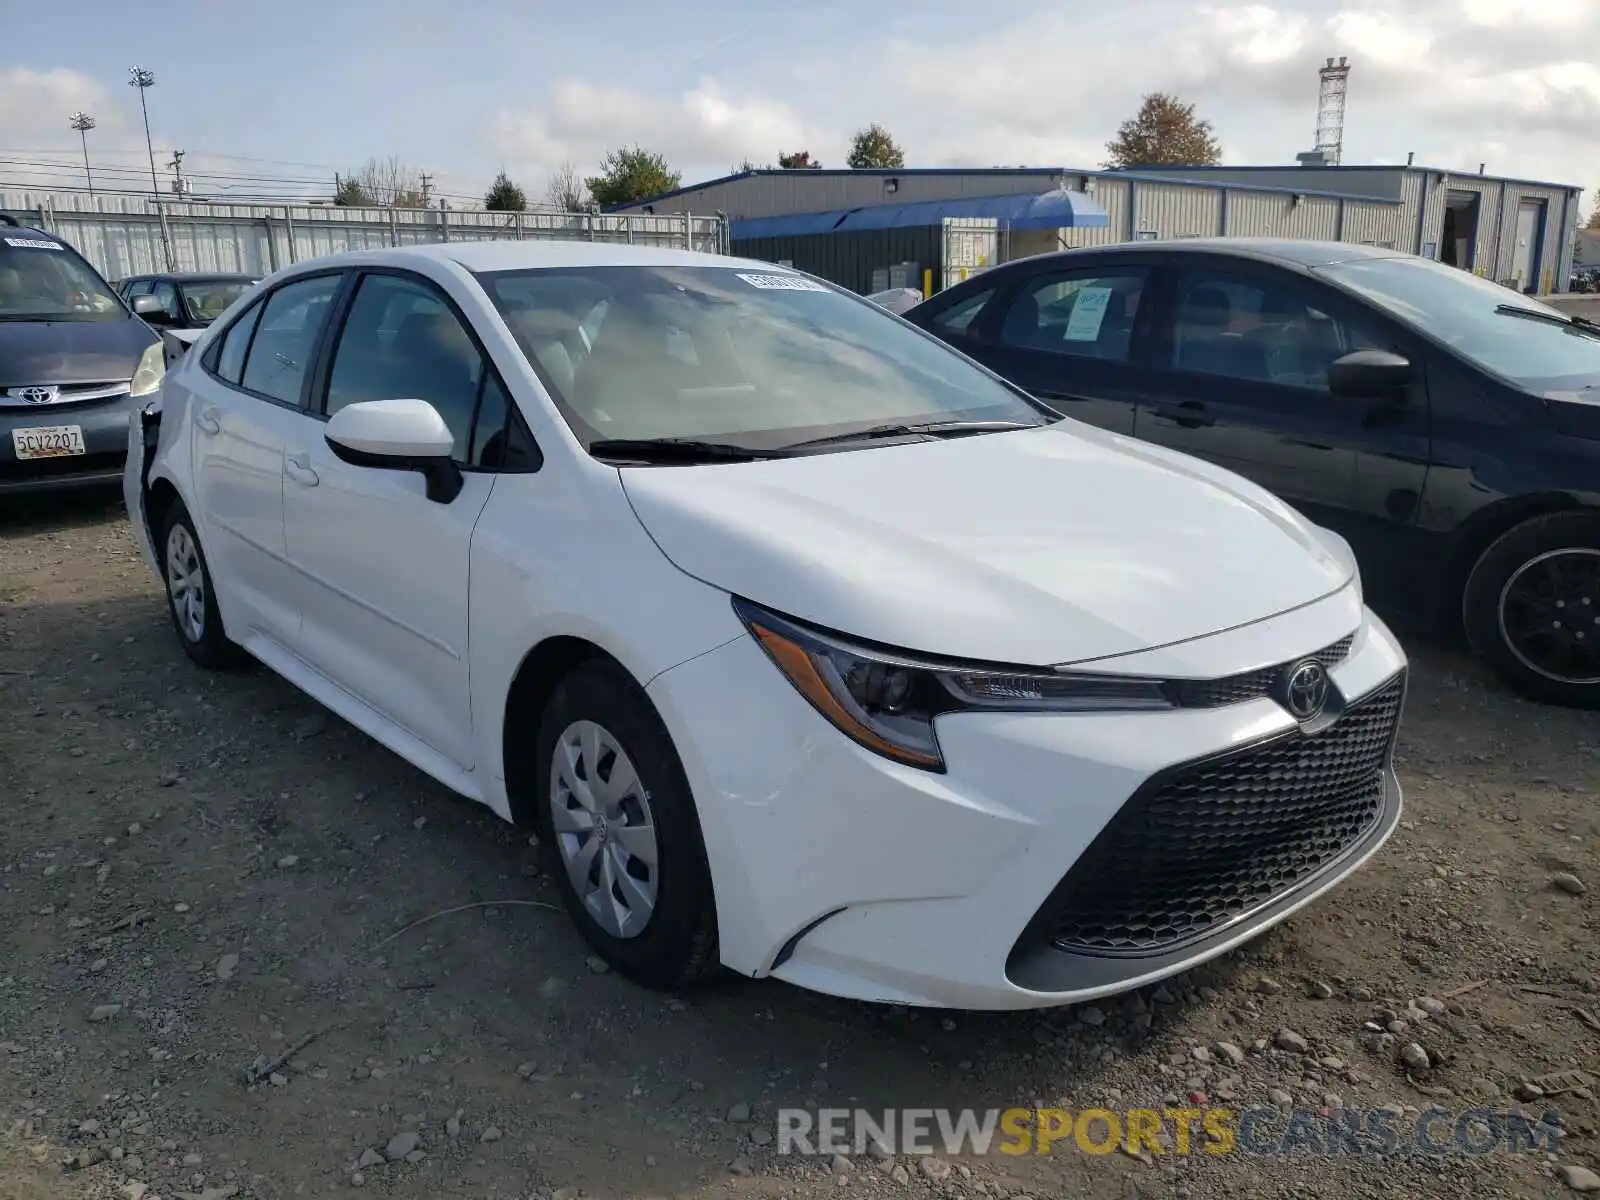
(142, 79)
(83, 122)
(427, 186)
(178, 186)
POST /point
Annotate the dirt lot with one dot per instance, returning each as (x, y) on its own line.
(199, 873)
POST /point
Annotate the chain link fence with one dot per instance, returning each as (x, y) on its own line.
(134, 235)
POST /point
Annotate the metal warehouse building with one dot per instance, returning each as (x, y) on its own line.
(870, 229)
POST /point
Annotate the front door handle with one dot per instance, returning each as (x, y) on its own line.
(298, 468)
(206, 421)
(1188, 415)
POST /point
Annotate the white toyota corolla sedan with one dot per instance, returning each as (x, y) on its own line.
(808, 647)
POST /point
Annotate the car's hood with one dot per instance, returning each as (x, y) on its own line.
(1047, 546)
(71, 351)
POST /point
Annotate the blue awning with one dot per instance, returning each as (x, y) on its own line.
(1060, 209)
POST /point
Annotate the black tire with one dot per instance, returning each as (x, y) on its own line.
(1494, 604)
(212, 648)
(677, 944)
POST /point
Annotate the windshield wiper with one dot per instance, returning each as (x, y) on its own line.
(927, 429)
(676, 450)
(1533, 314)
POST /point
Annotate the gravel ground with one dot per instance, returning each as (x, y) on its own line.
(207, 881)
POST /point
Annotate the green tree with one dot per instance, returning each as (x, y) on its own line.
(801, 160)
(505, 196)
(1164, 133)
(873, 147)
(348, 193)
(629, 176)
(1594, 217)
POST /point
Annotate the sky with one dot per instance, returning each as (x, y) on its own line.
(261, 95)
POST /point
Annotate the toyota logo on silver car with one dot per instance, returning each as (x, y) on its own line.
(1306, 690)
(35, 395)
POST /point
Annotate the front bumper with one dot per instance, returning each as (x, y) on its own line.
(105, 437)
(840, 871)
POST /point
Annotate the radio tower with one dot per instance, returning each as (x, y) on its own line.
(1334, 79)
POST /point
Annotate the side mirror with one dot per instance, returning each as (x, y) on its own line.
(150, 309)
(398, 435)
(1369, 375)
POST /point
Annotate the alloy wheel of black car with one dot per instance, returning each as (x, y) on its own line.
(1532, 608)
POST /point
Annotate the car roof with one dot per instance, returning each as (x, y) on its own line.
(1285, 251)
(531, 253)
(191, 276)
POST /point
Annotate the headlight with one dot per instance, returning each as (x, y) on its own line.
(887, 700)
(148, 374)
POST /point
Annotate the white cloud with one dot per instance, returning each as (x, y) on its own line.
(706, 128)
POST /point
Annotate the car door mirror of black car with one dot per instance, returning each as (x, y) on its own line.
(151, 310)
(1369, 375)
(398, 435)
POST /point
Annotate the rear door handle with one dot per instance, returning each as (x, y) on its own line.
(298, 468)
(206, 421)
(1189, 415)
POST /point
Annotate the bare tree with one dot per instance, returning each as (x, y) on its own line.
(388, 184)
(565, 190)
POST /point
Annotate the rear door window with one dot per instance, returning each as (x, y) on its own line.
(280, 353)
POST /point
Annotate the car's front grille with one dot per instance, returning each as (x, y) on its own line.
(1248, 685)
(1204, 844)
(48, 397)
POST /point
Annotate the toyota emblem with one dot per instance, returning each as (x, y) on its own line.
(1305, 689)
(36, 395)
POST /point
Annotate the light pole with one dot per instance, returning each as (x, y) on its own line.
(83, 122)
(140, 78)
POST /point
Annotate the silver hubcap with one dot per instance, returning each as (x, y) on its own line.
(186, 583)
(604, 828)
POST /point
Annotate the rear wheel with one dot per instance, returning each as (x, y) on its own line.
(191, 602)
(620, 831)
(1532, 608)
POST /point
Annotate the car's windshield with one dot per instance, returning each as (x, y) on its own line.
(733, 354)
(205, 299)
(41, 279)
(1461, 310)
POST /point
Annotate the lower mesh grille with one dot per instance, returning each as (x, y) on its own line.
(1203, 845)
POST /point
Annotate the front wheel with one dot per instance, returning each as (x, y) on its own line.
(619, 826)
(1532, 608)
(191, 601)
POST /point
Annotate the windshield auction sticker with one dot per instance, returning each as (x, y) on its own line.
(33, 243)
(781, 283)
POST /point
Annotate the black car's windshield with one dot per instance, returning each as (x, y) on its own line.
(1465, 312)
(733, 355)
(41, 279)
(206, 299)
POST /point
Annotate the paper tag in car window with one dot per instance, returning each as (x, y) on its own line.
(1088, 313)
(781, 283)
(34, 243)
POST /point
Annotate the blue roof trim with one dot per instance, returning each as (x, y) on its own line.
(1027, 210)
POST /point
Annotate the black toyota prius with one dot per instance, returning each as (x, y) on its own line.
(1448, 427)
(74, 360)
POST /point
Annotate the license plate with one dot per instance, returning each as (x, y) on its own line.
(48, 441)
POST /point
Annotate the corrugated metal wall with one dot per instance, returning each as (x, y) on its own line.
(124, 235)
(1280, 214)
(1176, 210)
(1376, 224)
(781, 193)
